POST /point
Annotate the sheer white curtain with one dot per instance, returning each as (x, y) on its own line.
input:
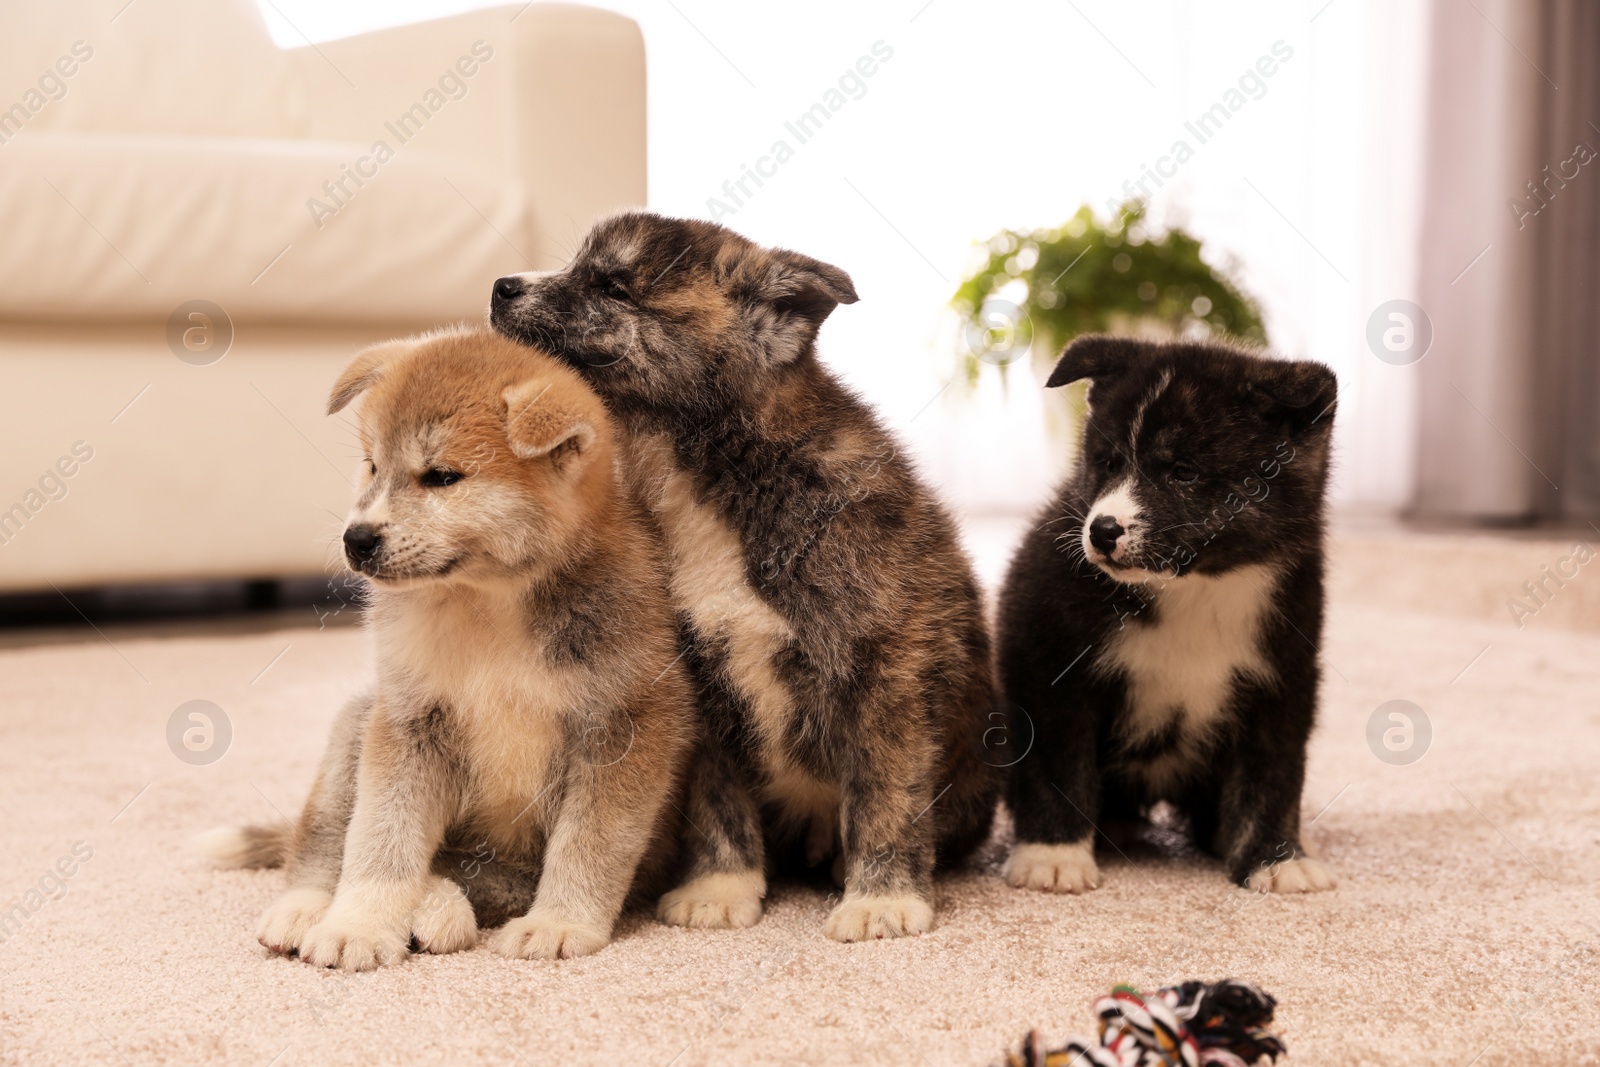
(1377, 422)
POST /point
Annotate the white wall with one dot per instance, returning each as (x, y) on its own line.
(1012, 113)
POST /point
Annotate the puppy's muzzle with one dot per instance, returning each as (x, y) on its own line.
(506, 290)
(362, 543)
(1104, 533)
(515, 309)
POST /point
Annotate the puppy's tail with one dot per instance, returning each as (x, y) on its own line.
(246, 846)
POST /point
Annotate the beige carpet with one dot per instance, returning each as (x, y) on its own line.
(1465, 928)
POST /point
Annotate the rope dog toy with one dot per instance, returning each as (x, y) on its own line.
(1222, 1024)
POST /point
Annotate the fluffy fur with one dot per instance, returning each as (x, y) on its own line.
(833, 624)
(1159, 629)
(526, 739)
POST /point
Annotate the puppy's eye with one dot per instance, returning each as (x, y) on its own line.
(1184, 475)
(1112, 464)
(439, 477)
(372, 468)
(615, 290)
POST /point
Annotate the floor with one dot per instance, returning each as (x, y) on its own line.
(1465, 929)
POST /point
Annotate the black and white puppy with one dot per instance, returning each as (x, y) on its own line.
(831, 621)
(1160, 625)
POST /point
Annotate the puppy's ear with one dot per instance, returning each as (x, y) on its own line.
(799, 293)
(1096, 356)
(367, 366)
(544, 419)
(1301, 393)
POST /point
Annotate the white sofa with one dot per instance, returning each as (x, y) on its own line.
(198, 228)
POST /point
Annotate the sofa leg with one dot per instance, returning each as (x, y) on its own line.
(263, 595)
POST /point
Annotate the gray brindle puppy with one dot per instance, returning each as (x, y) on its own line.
(830, 619)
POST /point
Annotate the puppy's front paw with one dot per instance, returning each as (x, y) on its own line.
(284, 924)
(871, 918)
(719, 901)
(1302, 875)
(444, 921)
(1054, 868)
(535, 937)
(352, 945)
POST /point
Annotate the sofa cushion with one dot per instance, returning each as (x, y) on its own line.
(129, 226)
(152, 66)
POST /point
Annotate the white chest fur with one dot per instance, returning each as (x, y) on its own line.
(709, 583)
(1181, 665)
(469, 654)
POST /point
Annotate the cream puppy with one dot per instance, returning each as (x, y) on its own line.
(531, 712)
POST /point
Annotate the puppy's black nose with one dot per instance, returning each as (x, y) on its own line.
(1104, 532)
(507, 288)
(361, 543)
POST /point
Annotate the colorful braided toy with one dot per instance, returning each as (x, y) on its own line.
(1193, 1025)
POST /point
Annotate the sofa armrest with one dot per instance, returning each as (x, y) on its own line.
(551, 94)
(588, 151)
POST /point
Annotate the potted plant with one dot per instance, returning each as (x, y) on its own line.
(1035, 291)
